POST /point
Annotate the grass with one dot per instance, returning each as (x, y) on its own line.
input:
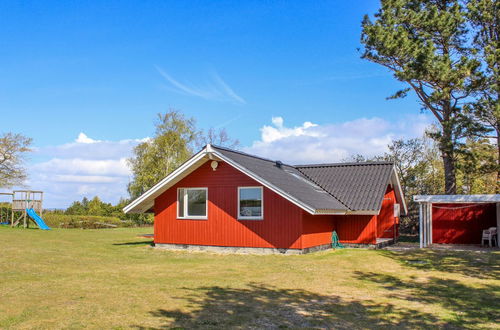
(111, 279)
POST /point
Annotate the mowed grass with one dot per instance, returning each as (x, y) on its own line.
(105, 279)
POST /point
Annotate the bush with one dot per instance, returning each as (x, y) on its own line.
(83, 221)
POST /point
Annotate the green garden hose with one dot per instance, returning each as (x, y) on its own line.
(335, 241)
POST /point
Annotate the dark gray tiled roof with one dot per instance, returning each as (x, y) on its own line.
(361, 186)
(286, 178)
(341, 186)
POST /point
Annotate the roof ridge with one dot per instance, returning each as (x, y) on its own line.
(323, 188)
(345, 164)
(250, 155)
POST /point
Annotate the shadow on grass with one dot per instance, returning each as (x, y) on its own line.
(142, 243)
(408, 238)
(470, 305)
(484, 265)
(264, 307)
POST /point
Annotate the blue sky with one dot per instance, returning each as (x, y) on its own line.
(105, 69)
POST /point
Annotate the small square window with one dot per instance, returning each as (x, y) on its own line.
(250, 203)
(192, 203)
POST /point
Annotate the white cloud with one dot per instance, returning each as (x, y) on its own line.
(83, 138)
(314, 143)
(84, 168)
(216, 89)
(111, 167)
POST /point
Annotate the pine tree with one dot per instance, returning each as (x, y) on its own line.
(423, 43)
(484, 17)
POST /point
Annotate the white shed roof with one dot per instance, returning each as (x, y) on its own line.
(457, 198)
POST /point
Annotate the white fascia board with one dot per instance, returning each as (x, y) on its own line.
(330, 212)
(493, 198)
(363, 212)
(270, 186)
(399, 190)
(144, 202)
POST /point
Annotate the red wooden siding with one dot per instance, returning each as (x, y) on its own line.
(317, 229)
(461, 223)
(386, 222)
(356, 229)
(281, 227)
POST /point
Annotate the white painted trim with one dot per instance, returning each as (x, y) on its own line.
(400, 190)
(457, 198)
(362, 212)
(135, 206)
(185, 206)
(239, 216)
(163, 182)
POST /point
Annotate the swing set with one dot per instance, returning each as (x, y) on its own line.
(23, 205)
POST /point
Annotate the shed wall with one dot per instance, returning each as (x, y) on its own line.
(387, 223)
(461, 223)
(281, 227)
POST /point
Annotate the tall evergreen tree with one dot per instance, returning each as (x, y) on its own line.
(423, 43)
(484, 17)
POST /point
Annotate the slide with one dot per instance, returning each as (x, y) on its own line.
(39, 221)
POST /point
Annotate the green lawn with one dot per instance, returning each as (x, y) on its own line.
(72, 278)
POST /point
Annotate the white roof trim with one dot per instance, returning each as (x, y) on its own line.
(399, 190)
(457, 198)
(146, 200)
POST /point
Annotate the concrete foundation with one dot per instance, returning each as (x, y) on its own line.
(253, 250)
(240, 250)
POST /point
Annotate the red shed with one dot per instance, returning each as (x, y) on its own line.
(456, 219)
(222, 198)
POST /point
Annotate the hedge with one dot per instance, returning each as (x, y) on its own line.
(83, 221)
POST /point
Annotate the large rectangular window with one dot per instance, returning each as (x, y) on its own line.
(250, 203)
(192, 203)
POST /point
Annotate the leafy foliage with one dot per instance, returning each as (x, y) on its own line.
(96, 207)
(484, 18)
(57, 220)
(13, 149)
(168, 149)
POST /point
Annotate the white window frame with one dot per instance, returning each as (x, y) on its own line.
(261, 217)
(185, 206)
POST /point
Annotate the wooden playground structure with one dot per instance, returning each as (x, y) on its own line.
(21, 202)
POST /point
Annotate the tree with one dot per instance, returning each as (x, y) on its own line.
(13, 150)
(476, 169)
(485, 19)
(170, 147)
(423, 42)
(217, 137)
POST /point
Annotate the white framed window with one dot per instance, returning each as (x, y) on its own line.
(250, 203)
(192, 203)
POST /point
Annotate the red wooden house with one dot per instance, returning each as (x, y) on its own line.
(225, 198)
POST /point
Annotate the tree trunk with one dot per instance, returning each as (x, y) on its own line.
(450, 185)
(497, 188)
(447, 147)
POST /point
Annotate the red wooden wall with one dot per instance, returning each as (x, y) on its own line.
(356, 229)
(281, 227)
(386, 222)
(284, 226)
(316, 229)
(461, 223)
